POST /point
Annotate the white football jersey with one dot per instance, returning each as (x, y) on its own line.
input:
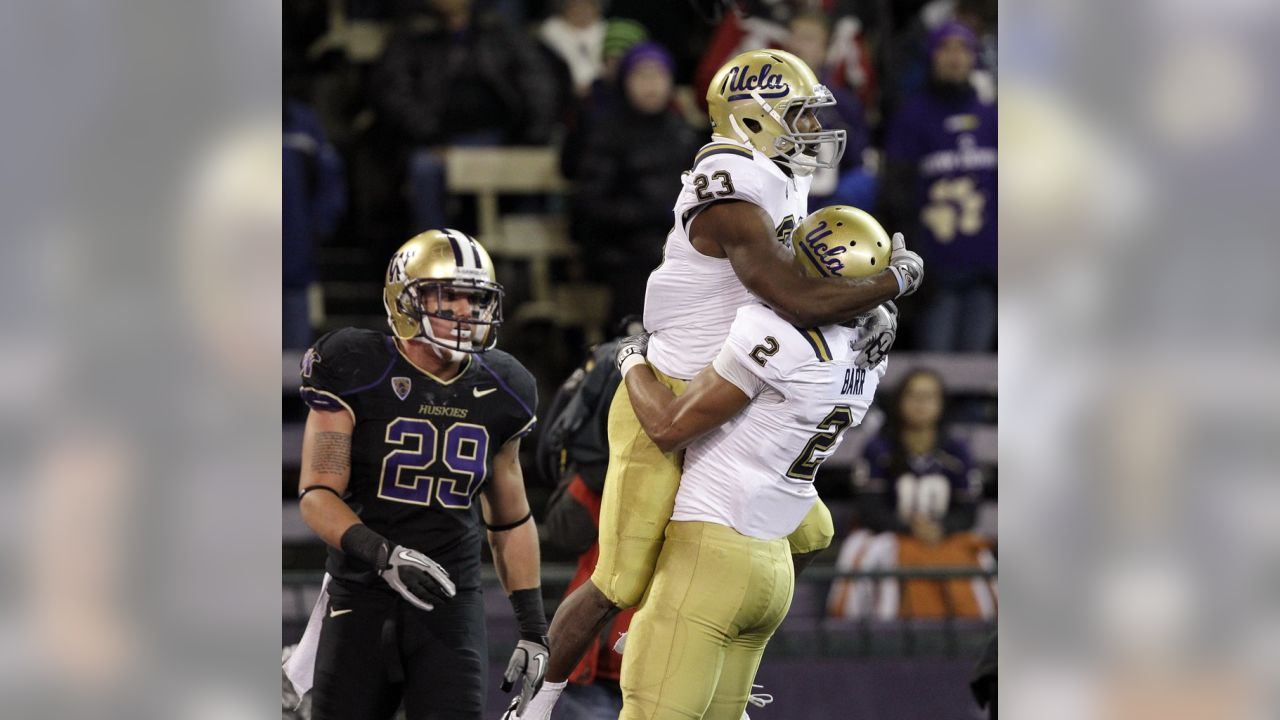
(691, 298)
(755, 473)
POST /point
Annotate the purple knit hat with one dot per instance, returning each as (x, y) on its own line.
(645, 51)
(952, 28)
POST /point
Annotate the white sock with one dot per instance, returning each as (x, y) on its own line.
(540, 706)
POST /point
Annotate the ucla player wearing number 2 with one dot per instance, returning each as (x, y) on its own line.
(729, 247)
(411, 445)
(757, 423)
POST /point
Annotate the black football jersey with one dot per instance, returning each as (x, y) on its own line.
(422, 448)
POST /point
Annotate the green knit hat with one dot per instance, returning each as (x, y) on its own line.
(620, 35)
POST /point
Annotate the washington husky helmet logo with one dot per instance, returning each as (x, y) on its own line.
(400, 386)
(395, 270)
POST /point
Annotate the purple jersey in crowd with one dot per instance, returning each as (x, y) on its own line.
(952, 146)
(925, 483)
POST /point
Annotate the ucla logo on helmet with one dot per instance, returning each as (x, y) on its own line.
(825, 253)
(741, 82)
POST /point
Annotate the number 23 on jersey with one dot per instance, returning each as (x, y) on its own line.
(721, 177)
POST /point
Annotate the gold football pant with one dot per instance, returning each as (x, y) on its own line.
(639, 496)
(696, 642)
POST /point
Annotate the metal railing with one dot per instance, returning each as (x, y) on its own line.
(807, 631)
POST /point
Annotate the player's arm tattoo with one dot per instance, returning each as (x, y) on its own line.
(331, 453)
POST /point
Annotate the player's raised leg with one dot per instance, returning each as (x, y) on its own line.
(639, 494)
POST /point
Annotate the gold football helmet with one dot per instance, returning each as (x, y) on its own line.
(444, 276)
(841, 241)
(758, 97)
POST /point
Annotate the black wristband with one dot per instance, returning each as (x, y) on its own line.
(511, 525)
(319, 487)
(529, 614)
(362, 543)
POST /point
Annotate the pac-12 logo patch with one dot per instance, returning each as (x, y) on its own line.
(401, 385)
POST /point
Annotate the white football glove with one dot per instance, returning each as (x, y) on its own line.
(879, 330)
(528, 662)
(631, 351)
(906, 266)
(417, 578)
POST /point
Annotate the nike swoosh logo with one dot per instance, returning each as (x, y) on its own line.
(481, 393)
(404, 555)
(333, 612)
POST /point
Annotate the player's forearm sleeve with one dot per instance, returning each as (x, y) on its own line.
(360, 542)
(532, 619)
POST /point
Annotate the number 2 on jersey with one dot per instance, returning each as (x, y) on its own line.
(768, 348)
(404, 475)
(806, 465)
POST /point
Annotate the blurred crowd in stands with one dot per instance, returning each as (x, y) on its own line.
(376, 90)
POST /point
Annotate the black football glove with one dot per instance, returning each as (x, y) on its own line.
(417, 578)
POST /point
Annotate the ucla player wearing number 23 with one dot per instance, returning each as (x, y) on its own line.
(411, 445)
(729, 247)
(757, 423)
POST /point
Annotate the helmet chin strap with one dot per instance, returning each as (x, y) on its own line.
(428, 337)
(742, 136)
(442, 352)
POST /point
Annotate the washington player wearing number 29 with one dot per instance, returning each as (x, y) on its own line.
(405, 433)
